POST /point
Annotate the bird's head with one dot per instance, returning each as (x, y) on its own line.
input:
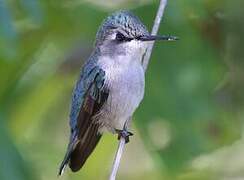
(123, 32)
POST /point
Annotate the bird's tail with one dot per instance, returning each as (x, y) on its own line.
(79, 150)
(71, 147)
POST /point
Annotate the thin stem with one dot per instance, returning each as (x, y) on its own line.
(146, 59)
(117, 159)
(155, 28)
(119, 153)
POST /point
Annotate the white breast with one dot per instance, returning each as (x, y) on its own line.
(125, 80)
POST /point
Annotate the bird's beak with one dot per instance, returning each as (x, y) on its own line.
(154, 38)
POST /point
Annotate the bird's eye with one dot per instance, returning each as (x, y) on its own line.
(138, 37)
(120, 37)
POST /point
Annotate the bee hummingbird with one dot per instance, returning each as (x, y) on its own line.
(110, 86)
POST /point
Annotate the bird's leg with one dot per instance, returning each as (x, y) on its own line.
(124, 133)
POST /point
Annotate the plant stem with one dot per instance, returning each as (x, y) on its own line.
(155, 28)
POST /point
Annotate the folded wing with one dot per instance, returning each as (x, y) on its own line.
(91, 95)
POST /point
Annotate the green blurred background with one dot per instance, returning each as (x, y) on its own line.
(190, 123)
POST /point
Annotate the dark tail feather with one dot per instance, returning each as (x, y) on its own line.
(84, 148)
(64, 163)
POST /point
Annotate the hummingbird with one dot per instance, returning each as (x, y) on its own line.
(110, 86)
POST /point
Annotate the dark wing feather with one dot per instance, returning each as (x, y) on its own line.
(84, 149)
(85, 135)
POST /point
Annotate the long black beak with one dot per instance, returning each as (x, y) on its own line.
(162, 38)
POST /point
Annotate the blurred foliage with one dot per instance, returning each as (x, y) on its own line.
(189, 125)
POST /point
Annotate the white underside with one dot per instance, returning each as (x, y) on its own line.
(125, 81)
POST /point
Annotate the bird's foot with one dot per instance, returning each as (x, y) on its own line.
(124, 133)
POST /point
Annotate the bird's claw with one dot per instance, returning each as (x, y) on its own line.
(124, 133)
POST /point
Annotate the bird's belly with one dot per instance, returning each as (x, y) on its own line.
(126, 90)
